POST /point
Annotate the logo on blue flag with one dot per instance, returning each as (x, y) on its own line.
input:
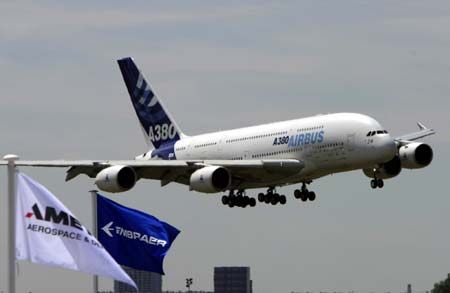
(133, 238)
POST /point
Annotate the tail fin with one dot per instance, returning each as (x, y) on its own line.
(159, 128)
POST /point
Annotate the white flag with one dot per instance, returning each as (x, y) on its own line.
(48, 233)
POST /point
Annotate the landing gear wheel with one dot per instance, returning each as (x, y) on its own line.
(311, 195)
(268, 198)
(231, 202)
(282, 199)
(245, 201)
(380, 183)
(297, 193)
(304, 196)
(252, 202)
(261, 197)
(373, 183)
(225, 200)
(275, 199)
(240, 201)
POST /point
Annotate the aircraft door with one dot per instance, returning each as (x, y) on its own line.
(219, 148)
(350, 142)
(188, 150)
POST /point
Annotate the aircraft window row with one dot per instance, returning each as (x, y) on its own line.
(237, 158)
(180, 148)
(205, 145)
(276, 153)
(256, 136)
(329, 145)
(372, 133)
(310, 128)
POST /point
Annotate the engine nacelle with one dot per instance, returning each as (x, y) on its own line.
(415, 155)
(116, 179)
(210, 179)
(386, 171)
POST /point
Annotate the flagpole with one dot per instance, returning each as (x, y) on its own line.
(11, 271)
(94, 232)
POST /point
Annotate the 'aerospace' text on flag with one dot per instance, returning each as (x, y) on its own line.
(48, 233)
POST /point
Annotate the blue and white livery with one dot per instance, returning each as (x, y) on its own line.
(159, 129)
(264, 156)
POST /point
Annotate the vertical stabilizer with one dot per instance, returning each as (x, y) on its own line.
(159, 128)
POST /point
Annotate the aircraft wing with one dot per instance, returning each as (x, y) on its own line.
(176, 170)
(423, 132)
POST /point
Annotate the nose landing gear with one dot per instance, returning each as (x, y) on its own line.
(374, 183)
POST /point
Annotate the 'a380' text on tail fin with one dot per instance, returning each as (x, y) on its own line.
(159, 128)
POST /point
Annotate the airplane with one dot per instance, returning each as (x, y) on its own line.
(268, 156)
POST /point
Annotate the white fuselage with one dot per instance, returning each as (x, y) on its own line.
(325, 143)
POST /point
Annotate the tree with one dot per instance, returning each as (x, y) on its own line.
(442, 286)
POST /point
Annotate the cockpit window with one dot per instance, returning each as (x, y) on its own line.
(372, 133)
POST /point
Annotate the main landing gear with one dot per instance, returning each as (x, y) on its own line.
(374, 183)
(304, 194)
(271, 197)
(238, 200)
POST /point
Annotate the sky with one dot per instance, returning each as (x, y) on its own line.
(228, 64)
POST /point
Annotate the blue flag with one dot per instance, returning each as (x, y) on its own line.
(133, 238)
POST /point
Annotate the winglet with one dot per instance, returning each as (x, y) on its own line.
(423, 131)
(421, 126)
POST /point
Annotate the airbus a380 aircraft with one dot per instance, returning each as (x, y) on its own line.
(264, 156)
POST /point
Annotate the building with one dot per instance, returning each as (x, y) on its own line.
(232, 280)
(147, 282)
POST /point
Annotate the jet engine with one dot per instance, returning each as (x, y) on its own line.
(116, 179)
(210, 179)
(415, 155)
(387, 170)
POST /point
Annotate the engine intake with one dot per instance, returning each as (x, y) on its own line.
(415, 155)
(210, 179)
(386, 171)
(116, 179)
